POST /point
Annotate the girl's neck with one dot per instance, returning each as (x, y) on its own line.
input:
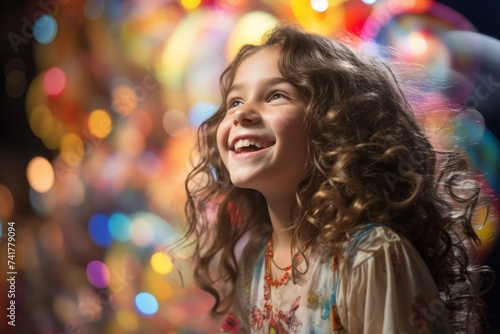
(281, 220)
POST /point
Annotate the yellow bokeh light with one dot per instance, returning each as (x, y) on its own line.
(72, 149)
(53, 139)
(127, 319)
(250, 29)
(45, 126)
(190, 4)
(326, 22)
(161, 263)
(37, 118)
(487, 229)
(99, 123)
(179, 49)
(40, 174)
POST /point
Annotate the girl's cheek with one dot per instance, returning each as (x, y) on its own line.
(284, 120)
(222, 134)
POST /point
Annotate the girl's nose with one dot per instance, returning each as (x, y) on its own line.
(246, 116)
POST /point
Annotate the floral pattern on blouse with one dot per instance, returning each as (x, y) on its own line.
(379, 285)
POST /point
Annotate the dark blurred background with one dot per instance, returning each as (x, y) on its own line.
(99, 105)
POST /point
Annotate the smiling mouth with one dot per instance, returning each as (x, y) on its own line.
(250, 145)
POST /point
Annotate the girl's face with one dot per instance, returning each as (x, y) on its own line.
(262, 139)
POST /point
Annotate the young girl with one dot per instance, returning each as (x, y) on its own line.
(332, 213)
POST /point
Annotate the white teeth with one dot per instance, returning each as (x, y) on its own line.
(241, 143)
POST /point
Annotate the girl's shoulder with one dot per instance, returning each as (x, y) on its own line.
(372, 241)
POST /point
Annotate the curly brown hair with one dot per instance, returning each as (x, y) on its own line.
(369, 162)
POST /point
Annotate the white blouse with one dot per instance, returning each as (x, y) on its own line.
(387, 288)
(382, 285)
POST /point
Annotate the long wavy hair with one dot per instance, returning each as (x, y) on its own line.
(369, 162)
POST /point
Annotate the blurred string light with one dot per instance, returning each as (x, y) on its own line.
(161, 263)
(325, 22)
(99, 123)
(99, 231)
(45, 29)
(40, 174)
(119, 226)
(98, 274)
(54, 81)
(142, 232)
(319, 5)
(146, 303)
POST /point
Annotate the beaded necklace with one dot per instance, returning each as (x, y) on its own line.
(268, 277)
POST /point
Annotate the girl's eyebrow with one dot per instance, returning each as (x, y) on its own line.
(266, 82)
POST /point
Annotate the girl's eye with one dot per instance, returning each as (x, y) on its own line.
(234, 104)
(277, 95)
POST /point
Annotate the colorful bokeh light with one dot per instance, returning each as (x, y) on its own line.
(45, 29)
(40, 174)
(54, 81)
(99, 230)
(200, 112)
(161, 263)
(250, 29)
(119, 226)
(98, 274)
(99, 123)
(146, 303)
